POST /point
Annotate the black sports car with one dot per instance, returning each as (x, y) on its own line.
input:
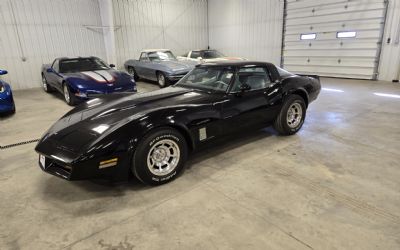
(150, 135)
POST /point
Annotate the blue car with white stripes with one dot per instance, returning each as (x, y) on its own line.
(83, 78)
(7, 104)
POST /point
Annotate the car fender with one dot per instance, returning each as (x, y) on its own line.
(293, 87)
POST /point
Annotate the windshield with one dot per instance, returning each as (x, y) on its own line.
(214, 79)
(161, 56)
(82, 64)
(210, 54)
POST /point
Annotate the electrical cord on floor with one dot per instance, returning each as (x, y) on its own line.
(18, 144)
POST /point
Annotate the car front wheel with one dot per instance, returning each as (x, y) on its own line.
(292, 115)
(132, 72)
(162, 80)
(68, 95)
(47, 88)
(160, 157)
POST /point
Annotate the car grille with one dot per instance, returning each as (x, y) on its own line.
(53, 167)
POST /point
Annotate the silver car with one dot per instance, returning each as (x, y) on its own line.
(158, 65)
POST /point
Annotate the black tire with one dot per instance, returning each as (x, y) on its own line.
(147, 155)
(46, 87)
(132, 72)
(66, 91)
(289, 127)
(162, 80)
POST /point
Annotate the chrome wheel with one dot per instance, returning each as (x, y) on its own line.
(161, 80)
(294, 115)
(66, 94)
(44, 83)
(163, 157)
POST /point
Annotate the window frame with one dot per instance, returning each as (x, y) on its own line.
(58, 65)
(145, 58)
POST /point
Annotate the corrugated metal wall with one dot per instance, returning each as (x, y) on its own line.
(390, 57)
(179, 25)
(35, 32)
(247, 28)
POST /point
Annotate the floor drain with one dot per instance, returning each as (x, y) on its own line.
(18, 144)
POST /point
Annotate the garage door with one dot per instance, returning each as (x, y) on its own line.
(333, 38)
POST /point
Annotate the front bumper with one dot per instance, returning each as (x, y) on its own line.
(91, 169)
(89, 94)
(176, 77)
(7, 104)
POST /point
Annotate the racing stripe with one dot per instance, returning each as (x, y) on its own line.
(106, 75)
(94, 76)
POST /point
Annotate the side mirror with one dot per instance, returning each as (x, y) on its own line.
(112, 65)
(244, 87)
(200, 58)
(50, 70)
(3, 72)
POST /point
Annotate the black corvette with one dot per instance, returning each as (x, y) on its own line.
(150, 135)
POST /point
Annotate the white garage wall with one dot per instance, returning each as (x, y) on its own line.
(179, 25)
(390, 57)
(247, 28)
(35, 32)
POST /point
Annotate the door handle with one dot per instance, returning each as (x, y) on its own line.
(273, 92)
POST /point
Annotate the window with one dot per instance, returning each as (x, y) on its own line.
(210, 54)
(143, 57)
(56, 66)
(161, 56)
(195, 54)
(255, 77)
(310, 36)
(208, 78)
(81, 64)
(346, 34)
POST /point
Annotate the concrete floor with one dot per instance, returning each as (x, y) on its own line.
(334, 185)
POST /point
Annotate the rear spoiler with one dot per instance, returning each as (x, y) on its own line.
(311, 76)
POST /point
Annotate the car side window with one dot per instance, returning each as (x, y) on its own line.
(255, 77)
(56, 66)
(195, 54)
(144, 57)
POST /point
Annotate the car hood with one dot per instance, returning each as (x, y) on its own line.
(93, 120)
(96, 77)
(178, 65)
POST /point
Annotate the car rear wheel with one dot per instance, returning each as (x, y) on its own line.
(132, 72)
(160, 157)
(69, 97)
(292, 115)
(47, 88)
(162, 80)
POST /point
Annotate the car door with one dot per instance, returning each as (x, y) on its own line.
(54, 78)
(142, 68)
(251, 100)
